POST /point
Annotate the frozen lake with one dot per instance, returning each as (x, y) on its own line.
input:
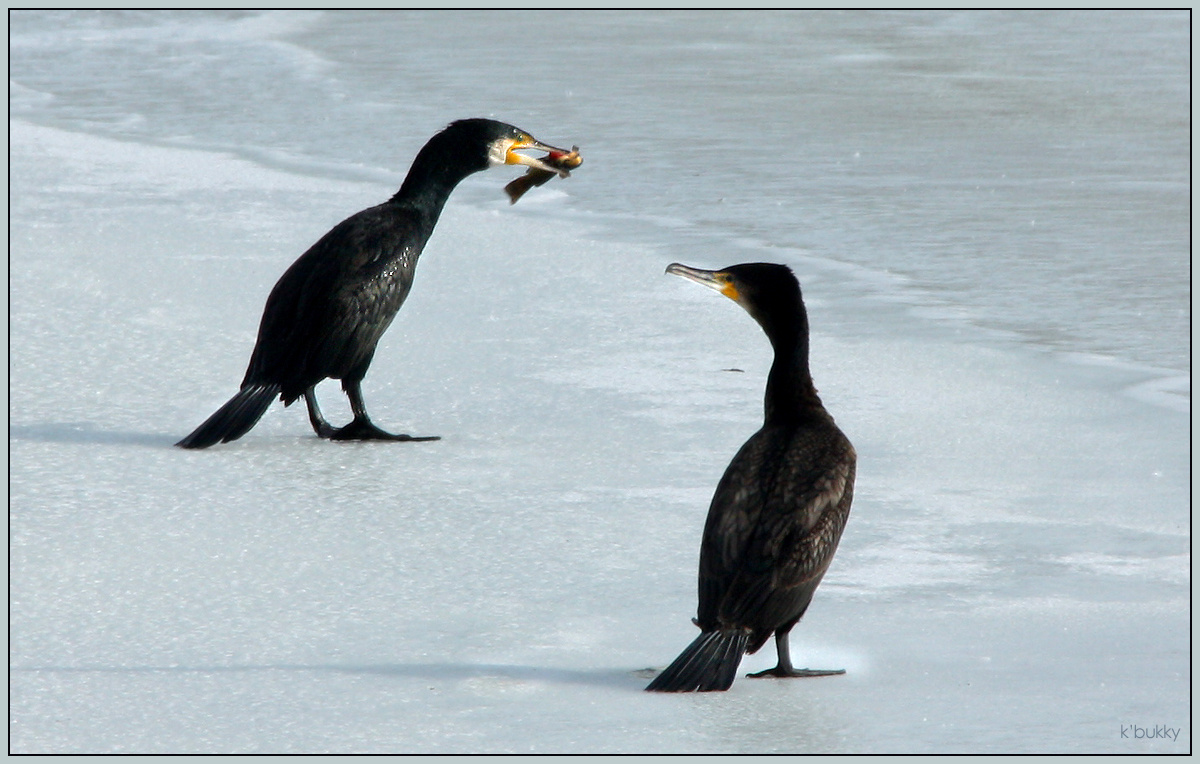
(990, 217)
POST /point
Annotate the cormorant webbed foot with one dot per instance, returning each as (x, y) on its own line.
(780, 672)
(364, 429)
(783, 667)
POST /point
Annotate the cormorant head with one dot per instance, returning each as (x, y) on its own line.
(769, 292)
(500, 143)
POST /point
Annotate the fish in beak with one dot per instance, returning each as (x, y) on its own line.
(558, 162)
(528, 142)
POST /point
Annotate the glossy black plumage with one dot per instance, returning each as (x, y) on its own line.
(779, 510)
(326, 314)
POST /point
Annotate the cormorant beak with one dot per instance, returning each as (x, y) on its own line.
(715, 280)
(512, 157)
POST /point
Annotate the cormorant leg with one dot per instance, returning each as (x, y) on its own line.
(362, 428)
(784, 669)
(322, 427)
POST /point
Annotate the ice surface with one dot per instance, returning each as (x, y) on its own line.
(1014, 578)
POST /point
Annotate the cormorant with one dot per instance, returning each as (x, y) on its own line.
(778, 512)
(326, 314)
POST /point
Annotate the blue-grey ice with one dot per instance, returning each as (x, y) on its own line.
(989, 213)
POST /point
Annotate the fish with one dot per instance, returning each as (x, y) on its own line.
(563, 161)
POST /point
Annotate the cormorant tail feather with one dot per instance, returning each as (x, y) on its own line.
(234, 419)
(709, 663)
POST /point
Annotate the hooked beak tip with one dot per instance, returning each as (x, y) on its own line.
(714, 280)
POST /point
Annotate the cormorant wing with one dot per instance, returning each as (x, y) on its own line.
(773, 526)
(314, 323)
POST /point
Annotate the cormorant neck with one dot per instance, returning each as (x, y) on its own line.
(790, 391)
(434, 174)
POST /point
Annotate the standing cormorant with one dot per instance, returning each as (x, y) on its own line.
(326, 314)
(780, 508)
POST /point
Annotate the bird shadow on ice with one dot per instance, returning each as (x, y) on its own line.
(619, 678)
(85, 432)
(595, 677)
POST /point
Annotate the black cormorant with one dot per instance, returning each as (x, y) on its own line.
(778, 512)
(326, 314)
